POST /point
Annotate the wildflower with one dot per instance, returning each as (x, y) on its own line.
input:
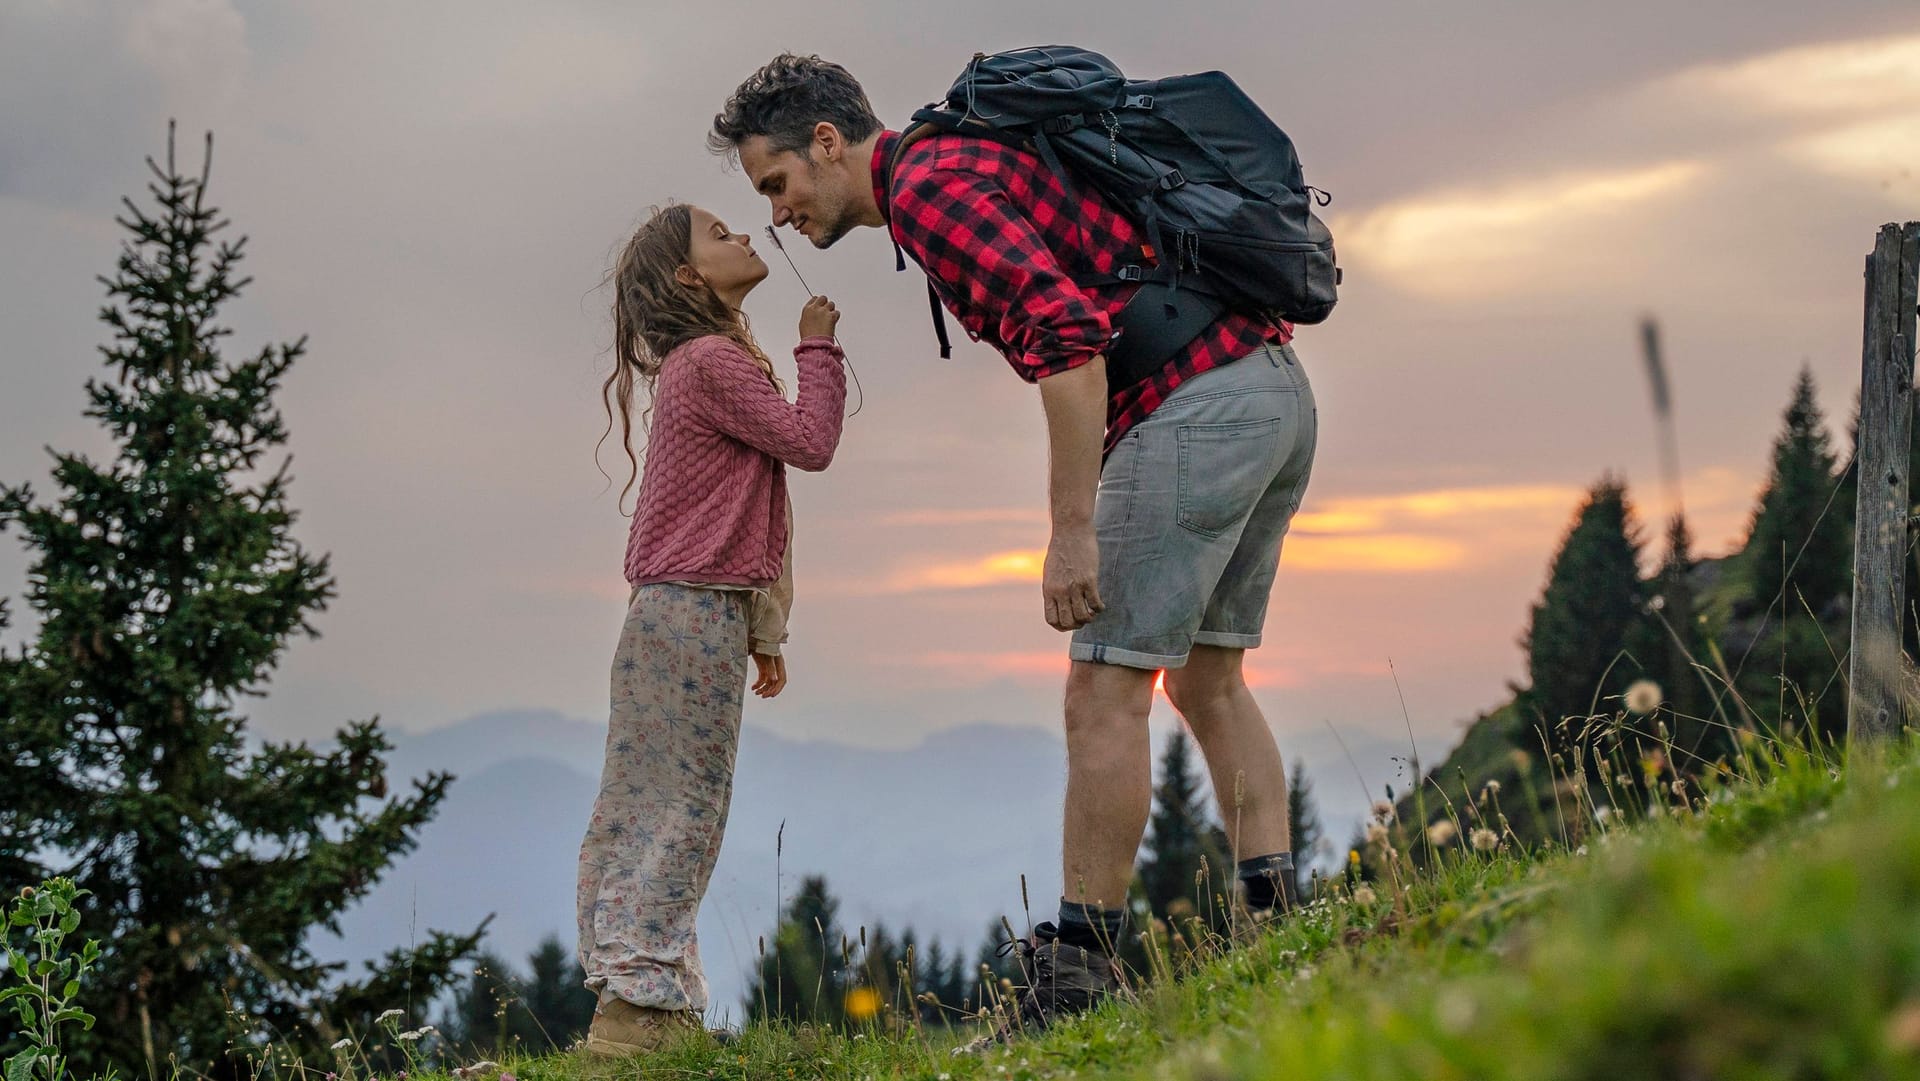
(1441, 833)
(411, 1035)
(1493, 787)
(1679, 789)
(1643, 696)
(862, 1003)
(1383, 810)
(1353, 858)
(342, 1045)
(1364, 895)
(1485, 840)
(1376, 833)
(390, 1015)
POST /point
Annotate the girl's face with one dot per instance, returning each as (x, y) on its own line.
(724, 260)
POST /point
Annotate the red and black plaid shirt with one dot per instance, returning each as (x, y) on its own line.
(995, 230)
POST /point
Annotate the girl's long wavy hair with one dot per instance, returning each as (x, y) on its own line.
(654, 312)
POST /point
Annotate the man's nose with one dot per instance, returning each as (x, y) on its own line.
(781, 215)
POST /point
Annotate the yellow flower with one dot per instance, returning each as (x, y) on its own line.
(862, 1004)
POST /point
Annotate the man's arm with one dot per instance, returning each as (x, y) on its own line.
(1076, 406)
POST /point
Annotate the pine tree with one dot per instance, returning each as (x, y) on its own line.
(1800, 523)
(556, 996)
(1799, 559)
(1306, 833)
(1588, 613)
(1675, 645)
(499, 1010)
(168, 584)
(1182, 841)
(802, 975)
(485, 1018)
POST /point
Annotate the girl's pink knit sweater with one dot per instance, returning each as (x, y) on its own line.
(713, 501)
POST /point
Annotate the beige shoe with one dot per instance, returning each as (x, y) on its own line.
(620, 1028)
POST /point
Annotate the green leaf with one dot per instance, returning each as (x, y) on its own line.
(43, 969)
(69, 921)
(72, 1013)
(19, 964)
(16, 992)
(21, 1064)
(71, 989)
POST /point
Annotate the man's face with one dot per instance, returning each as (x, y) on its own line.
(812, 199)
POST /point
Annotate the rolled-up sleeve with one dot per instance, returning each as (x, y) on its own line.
(984, 253)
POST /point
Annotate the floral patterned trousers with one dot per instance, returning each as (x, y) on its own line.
(679, 679)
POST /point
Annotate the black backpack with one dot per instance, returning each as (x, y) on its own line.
(1213, 184)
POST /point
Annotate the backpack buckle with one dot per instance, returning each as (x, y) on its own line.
(1139, 101)
(1132, 272)
(1172, 179)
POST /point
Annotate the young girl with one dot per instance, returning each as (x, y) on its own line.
(710, 566)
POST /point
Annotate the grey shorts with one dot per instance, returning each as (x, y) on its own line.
(1193, 505)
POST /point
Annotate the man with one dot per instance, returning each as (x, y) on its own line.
(1201, 468)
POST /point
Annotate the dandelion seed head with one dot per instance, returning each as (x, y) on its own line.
(1364, 895)
(1485, 840)
(1643, 696)
(1493, 787)
(1442, 833)
(1383, 810)
(1376, 833)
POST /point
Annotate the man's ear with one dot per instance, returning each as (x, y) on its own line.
(687, 276)
(828, 138)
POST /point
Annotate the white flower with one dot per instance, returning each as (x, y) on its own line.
(1643, 696)
(390, 1015)
(342, 1045)
(1485, 840)
(412, 1035)
(1442, 833)
(1364, 895)
(1493, 787)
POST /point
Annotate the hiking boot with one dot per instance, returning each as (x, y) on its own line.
(1061, 980)
(621, 1028)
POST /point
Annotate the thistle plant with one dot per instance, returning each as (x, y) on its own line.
(45, 979)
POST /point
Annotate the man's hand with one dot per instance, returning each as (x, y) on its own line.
(1076, 406)
(770, 674)
(1070, 582)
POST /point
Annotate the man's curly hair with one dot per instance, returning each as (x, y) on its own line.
(785, 100)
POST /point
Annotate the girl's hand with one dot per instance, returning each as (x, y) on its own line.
(770, 672)
(818, 318)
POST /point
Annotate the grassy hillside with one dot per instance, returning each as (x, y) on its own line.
(1764, 928)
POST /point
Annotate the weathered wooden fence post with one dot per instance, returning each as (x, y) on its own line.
(1875, 709)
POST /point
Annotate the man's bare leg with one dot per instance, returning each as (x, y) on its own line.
(1249, 779)
(1109, 780)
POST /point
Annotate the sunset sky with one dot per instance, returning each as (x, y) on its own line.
(435, 190)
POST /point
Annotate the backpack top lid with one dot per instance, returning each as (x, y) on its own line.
(1011, 89)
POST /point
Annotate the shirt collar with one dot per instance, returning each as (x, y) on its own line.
(882, 154)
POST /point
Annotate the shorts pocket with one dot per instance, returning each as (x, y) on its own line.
(1223, 470)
